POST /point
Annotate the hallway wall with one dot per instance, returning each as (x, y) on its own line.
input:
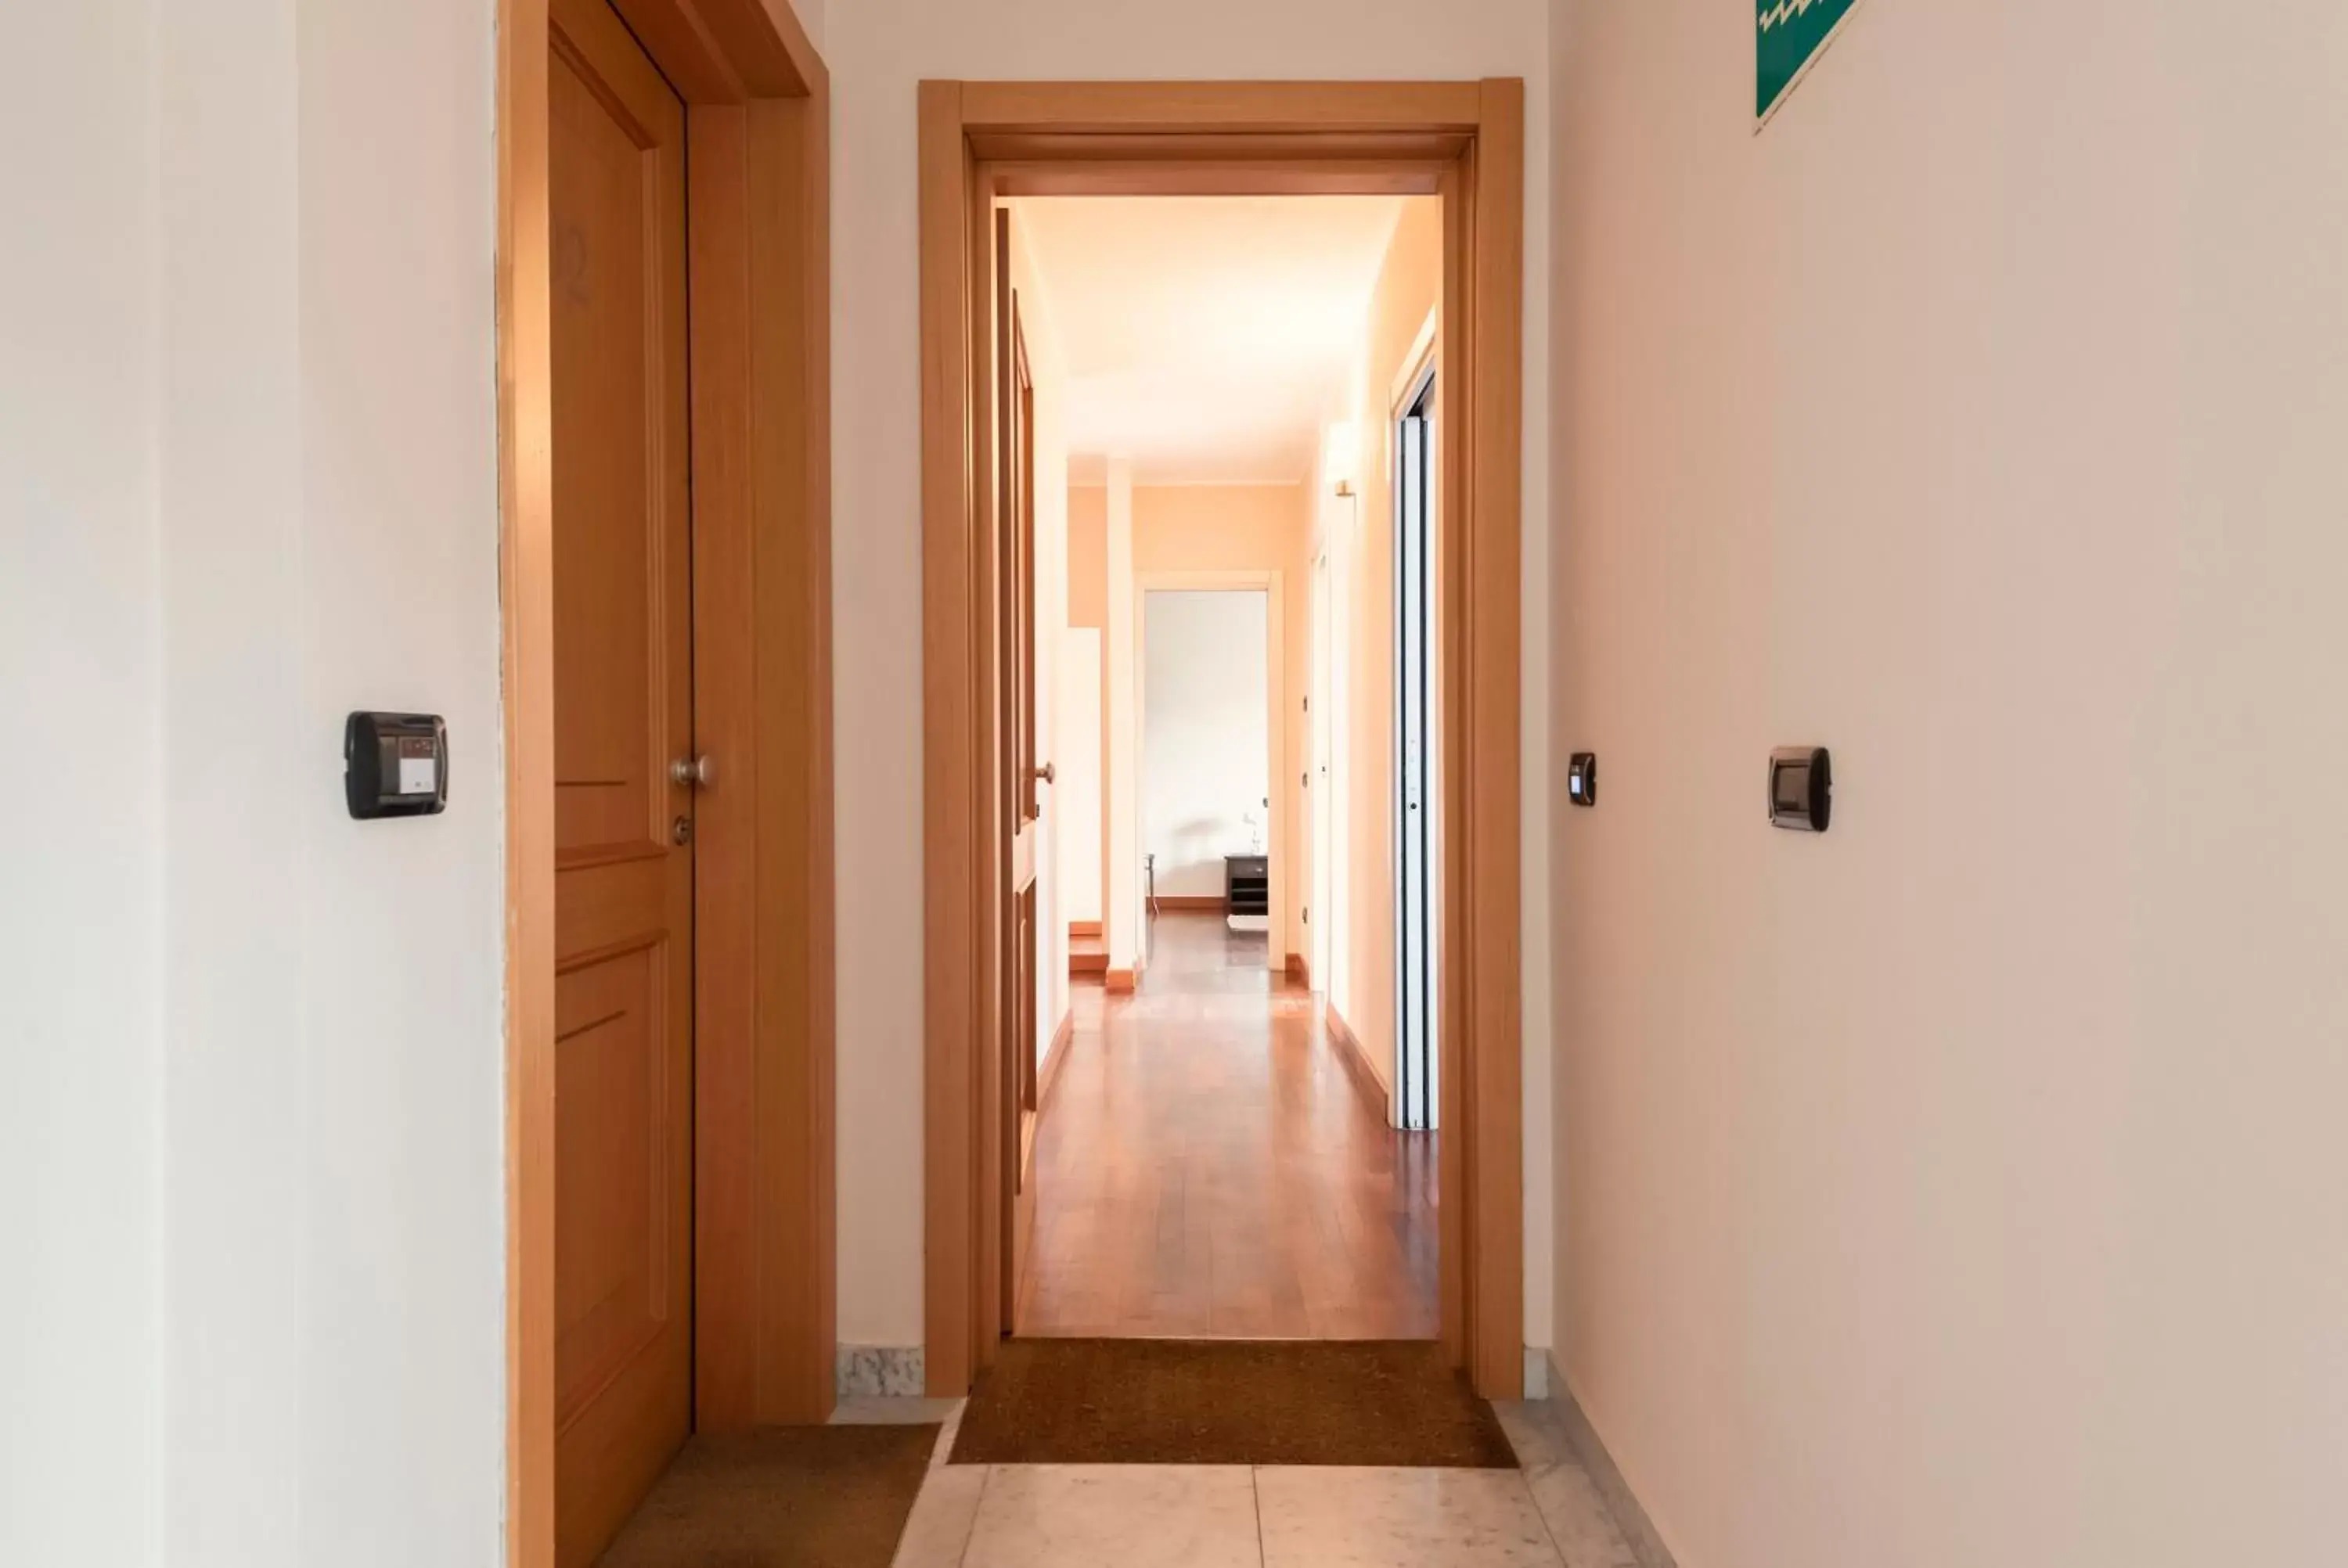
(1089, 608)
(252, 1103)
(80, 935)
(1360, 536)
(1965, 1186)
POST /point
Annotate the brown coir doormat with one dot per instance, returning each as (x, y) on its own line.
(1223, 1401)
(789, 1497)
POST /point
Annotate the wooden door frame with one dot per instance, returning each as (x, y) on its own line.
(757, 107)
(1463, 140)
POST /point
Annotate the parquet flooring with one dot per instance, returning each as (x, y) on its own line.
(1207, 1168)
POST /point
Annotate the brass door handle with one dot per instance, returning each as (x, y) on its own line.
(691, 772)
(1047, 774)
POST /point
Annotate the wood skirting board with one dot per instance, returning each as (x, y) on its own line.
(1357, 1063)
(1300, 971)
(1079, 929)
(1210, 903)
(1119, 981)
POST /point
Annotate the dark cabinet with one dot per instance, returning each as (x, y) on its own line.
(1247, 885)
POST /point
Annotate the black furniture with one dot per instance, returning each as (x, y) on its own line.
(1247, 886)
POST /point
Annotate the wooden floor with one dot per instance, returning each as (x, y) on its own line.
(1208, 1167)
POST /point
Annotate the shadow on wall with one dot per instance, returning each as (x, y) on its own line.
(1200, 843)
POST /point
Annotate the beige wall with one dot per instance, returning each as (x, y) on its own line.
(1088, 605)
(1966, 1185)
(1409, 287)
(1251, 527)
(1125, 927)
(248, 474)
(1087, 556)
(878, 51)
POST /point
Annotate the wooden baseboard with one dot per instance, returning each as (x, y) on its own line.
(1119, 981)
(1081, 928)
(1054, 1059)
(1210, 903)
(1087, 963)
(1357, 1064)
(1300, 971)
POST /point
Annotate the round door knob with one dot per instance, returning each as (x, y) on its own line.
(691, 772)
(1048, 774)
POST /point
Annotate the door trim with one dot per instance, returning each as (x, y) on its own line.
(758, 259)
(1465, 142)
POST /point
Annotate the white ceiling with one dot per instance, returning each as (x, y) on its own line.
(1208, 338)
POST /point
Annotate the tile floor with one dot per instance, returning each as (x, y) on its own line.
(1546, 1515)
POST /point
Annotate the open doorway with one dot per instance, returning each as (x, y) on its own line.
(1206, 765)
(1221, 1150)
(1451, 154)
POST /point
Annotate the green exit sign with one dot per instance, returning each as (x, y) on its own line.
(1793, 33)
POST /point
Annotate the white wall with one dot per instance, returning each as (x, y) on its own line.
(1336, 535)
(1965, 1185)
(80, 878)
(1046, 363)
(1120, 637)
(250, 487)
(878, 50)
(1079, 793)
(1206, 766)
(402, 1362)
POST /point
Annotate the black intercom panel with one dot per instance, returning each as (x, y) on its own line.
(1801, 788)
(1582, 778)
(395, 765)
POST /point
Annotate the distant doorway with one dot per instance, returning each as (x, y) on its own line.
(1206, 750)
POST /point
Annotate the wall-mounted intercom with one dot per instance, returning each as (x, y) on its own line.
(395, 765)
(1801, 788)
(1582, 778)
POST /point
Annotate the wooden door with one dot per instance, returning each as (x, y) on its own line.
(624, 818)
(1015, 545)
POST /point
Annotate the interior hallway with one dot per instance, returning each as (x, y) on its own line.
(1209, 1166)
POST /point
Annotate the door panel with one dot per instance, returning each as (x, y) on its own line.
(1016, 542)
(623, 884)
(611, 1227)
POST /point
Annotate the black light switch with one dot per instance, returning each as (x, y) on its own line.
(1801, 788)
(1582, 779)
(395, 765)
